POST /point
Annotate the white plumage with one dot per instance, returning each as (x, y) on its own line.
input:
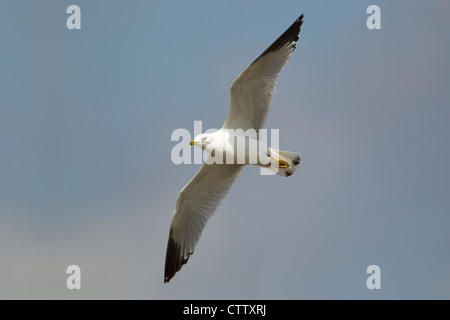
(251, 95)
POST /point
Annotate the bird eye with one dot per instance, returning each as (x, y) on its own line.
(204, 138)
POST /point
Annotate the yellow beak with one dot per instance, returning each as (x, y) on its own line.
(192, 142)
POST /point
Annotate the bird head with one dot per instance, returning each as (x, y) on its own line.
(202, 140)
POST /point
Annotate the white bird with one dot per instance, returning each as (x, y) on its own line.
(251, 94)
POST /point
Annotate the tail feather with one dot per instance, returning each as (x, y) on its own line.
(292, 159)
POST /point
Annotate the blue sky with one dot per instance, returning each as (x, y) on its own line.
(86, 176)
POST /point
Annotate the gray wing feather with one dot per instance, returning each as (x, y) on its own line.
(196, 202)
(251, 92)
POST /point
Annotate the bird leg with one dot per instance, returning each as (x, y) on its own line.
(282, 164)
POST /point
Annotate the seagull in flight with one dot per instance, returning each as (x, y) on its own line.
(251, 95)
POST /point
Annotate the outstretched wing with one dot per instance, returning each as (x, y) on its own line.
(251, 92)
(196, 203)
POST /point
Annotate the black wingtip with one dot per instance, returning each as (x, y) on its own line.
(290, 35)
(174, 259)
